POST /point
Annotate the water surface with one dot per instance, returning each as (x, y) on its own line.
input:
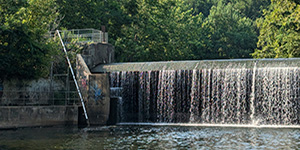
(149, 137)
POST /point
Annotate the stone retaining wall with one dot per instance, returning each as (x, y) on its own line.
(30, 116)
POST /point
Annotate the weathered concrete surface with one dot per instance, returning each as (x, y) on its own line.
(99, 99)
(82, 75)
(98, 53)
(95, 92)
(95, 87)
(29, 116)
(28, 92)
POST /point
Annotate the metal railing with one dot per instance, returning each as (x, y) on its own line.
(39, 98)
(82, 35)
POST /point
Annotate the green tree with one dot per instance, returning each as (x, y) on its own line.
(279, 30)
(200, 6)
(253, 9)
(80, 14)
(250, 8)
(24, 49)
(161, 30)
(229, 34)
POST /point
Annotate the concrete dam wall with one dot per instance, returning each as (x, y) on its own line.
(242, 91)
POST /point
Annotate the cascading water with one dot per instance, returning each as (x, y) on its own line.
(277, 96)
(263, 94)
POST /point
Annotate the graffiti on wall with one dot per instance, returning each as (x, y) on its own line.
(83, 83)
(98, 96)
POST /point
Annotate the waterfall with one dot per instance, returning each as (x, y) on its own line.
(252, 102)
(216, 95)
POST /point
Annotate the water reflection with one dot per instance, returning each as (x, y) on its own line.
(147, 137)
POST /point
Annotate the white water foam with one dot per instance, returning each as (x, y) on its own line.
(209, 125)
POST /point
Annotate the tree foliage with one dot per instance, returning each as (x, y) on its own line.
(161, 30)
(80, 14)
(200, 6)
(279, 30)
(249, 8)
(24, 49)
(146, 30)
(229, 33)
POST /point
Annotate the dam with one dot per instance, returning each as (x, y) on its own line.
(236, 91)
(216, 104)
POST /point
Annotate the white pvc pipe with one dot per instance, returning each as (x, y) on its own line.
(77, 87)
